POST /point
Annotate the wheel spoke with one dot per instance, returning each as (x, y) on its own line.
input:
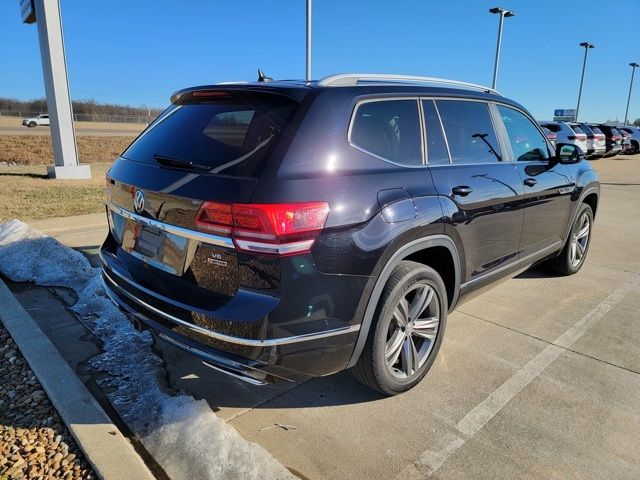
(394, 347)
(573, 250)
(421, 300)
(426, 328)
(409, 357)
(401, 313)
(580, 249)
(583, 232)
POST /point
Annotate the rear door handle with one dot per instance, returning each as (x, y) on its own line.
(530, 182)
(461, 190)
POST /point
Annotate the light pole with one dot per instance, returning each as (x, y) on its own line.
(503, 13)
(633, 66)
(309, 40)
(586, 46)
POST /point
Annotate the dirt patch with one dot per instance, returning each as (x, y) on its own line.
(37, 149)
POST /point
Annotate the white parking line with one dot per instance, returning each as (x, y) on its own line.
(430, 461)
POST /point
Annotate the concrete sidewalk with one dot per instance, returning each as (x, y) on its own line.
(538, 378)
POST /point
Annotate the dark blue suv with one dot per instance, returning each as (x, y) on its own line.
(282, 230)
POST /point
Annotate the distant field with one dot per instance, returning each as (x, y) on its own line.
(27, 193)
(37, 150)
(16, 122)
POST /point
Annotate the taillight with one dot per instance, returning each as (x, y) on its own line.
(615, 138)
(280, 229)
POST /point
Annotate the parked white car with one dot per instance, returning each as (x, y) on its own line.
(38, 120)
(566, 133)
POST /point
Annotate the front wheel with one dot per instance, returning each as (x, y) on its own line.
(406, 332)
(575, 251)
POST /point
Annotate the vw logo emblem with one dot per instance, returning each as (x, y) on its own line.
(138, 201)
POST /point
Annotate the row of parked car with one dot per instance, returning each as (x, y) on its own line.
(595, 139)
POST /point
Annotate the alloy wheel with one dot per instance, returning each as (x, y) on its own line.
(580, 240)
(413, 330)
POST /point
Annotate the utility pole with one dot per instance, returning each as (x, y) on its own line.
(587, 46)
(308, 74)
(633, 66)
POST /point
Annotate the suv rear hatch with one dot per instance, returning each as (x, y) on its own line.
(173, 197)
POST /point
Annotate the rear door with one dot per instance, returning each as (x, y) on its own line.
(547, 184)
(479, 190)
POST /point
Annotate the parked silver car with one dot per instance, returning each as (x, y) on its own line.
(596, 140)
(634, 137)
(566, 133)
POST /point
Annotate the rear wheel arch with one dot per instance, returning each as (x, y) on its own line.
(592, 200)
(423, 250)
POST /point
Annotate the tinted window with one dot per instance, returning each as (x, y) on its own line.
(389, 129)
(230, 136)
(552, 126)
(596, 130)
(469, 131)
(527, 143)
(436, 148)
(576, 128)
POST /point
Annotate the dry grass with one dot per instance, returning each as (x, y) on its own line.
(37, 149)
(28, 194)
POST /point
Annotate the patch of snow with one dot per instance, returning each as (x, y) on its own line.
(182, 434)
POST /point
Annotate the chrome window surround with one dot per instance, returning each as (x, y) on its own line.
(173, 229)
(507, 155)
(271, 342)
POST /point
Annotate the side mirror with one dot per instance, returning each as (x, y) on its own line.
(568, 153)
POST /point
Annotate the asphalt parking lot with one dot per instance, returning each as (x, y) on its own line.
(537, 378)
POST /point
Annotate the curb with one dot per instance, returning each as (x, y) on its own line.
(105, 448)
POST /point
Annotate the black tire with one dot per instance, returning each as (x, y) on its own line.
(635, 148)
(372, 369)
(32, 124)
(565, 263)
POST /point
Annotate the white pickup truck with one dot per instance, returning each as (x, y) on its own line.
(42, 119)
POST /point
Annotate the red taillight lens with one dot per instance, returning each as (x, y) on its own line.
(281, 229)
(215, 217)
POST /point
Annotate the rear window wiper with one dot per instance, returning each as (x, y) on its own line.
(172, 162)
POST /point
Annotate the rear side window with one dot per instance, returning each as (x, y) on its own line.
(469, 131)
(389, 129)
(230, 136)
(436, 148)
(527, 143)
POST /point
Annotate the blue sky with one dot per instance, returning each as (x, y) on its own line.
(139, 52)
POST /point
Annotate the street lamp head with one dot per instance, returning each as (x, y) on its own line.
(634, 65)
(502, 11)
(587, 45)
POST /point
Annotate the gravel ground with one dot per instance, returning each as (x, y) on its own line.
(34, 443)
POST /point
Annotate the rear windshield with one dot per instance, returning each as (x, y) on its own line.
(552, 126)
(229, 136)
(596, 130)
(576, 128)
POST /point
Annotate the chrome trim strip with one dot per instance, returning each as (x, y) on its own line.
(517, 264)
(173, 229)
(200, 353)
(272, 342)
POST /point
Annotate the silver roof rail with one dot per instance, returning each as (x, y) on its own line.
(350, 79)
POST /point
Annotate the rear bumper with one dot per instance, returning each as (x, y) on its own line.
(240, 349)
